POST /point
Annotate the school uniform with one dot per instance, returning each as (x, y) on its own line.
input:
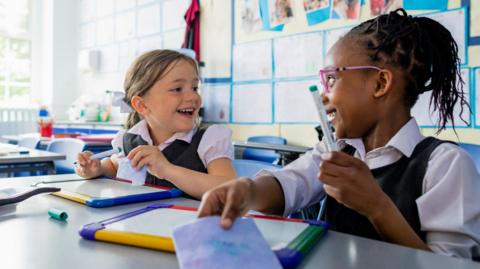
(193, 150)
(434, 184)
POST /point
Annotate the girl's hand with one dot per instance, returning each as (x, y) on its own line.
(152, 157)
(350, 182)
(229, 200)
(87, 168)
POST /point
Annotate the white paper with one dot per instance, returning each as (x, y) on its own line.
(298, 55)
(173, 12)
(148, 20)
(125, 25)
(294, 103)
(126, 171)
(252, 61)
(332, 36)
(426, 117)
(205, 244)
(104, 32)
(216, 102)
(454, 21)
(252, 103)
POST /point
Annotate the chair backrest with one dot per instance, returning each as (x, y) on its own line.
(248, 168)
(70, 147)
(474, 151)
(29, 142)
(264, 155)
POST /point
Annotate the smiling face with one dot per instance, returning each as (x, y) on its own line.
(172, 103)
(350, 102)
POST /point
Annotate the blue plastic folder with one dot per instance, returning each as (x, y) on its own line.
(152, 227)
(109, 192)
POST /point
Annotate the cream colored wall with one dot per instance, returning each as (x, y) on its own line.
(216, 34)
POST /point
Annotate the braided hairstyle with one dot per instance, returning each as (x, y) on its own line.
(423, 48)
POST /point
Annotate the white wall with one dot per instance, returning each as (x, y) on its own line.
(54, 54)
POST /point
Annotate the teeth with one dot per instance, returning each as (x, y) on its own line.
(186, 110)
(331, 116)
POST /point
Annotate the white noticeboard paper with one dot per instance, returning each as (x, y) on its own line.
(455, 22)
(426, 117)
(294, 103)
(252, 61)
(216, 102)
(298, 55)
(252, 103)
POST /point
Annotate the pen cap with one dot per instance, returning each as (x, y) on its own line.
(313, 88)
(58, 214)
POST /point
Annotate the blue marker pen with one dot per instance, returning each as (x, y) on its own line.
(104, 154)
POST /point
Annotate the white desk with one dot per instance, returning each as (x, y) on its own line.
(40, 160)
(29, 238)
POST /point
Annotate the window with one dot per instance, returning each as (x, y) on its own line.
(15, 53)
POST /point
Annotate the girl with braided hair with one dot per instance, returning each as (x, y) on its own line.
(387, 182)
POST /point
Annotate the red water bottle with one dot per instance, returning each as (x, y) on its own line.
(45, 123)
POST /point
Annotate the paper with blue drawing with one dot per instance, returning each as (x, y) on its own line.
(127, 171)
(205, 244)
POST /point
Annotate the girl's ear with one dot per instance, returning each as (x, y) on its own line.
(138, 104)
(384, 83)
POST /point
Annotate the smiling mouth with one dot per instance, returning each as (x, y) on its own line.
(186, 111)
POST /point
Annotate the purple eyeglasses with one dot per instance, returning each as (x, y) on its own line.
(325, 71)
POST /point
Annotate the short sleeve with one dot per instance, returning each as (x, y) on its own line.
(216, 143)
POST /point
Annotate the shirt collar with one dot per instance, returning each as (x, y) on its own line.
(405, 140)
(141, 129)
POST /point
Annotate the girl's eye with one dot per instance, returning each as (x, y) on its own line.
(176, 90)
(195, 89)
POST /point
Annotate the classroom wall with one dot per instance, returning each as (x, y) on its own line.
(217, 71)
(120, 30)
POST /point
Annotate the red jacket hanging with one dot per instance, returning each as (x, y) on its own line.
(192, 32)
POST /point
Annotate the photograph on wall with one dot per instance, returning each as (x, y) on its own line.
(378, 7)
(250, 16)
(317, 11)
(346, 9)
(275, 14)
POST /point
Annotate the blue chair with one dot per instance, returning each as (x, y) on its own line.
(264, 155)
(248, 168)
(474, 151)
(29, 142)
(70, 147)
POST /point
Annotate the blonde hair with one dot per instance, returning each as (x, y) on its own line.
(147, 69)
